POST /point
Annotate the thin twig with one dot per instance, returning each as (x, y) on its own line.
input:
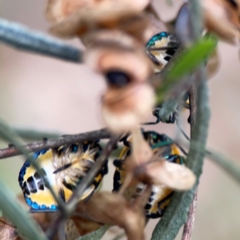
(227, 164)
(24, 39)
(188, 227)
(196, 24)
(61, 231)
(30, 134)
(52, 143)
(83, 185)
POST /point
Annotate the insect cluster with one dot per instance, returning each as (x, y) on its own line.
(121, 46)
(130, 52)
(65, 166)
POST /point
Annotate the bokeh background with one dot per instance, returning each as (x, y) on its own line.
(41, 93)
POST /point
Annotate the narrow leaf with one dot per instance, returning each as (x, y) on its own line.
(187, 62)
(96, 235)
(15, 212)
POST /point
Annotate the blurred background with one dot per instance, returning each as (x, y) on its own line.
(45, 94)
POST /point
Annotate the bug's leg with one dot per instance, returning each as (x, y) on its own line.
(118, 163)
(189, 118)
(125, 141)
(172, 117)
(104, 170)
(155, 114)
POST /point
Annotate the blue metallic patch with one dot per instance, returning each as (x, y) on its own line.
(43, 207)
(155, 38)
(54, 207)
(35, 205)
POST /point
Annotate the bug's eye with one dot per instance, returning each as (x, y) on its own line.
(117, 78)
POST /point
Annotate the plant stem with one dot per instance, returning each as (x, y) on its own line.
(18, 36)
(52, 143)
(196, 28)
(188, 227)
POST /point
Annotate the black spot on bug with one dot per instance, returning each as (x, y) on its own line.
(170, 52)
(167, 58)
(32, 185)
(62, 194)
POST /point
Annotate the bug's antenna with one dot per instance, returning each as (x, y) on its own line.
(182, 131)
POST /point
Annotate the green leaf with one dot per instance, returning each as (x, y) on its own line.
(97, 235)
(189, 60)
(15, 212)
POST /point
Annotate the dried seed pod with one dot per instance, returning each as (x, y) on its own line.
(222, 18)
(107, 50)
(58, 10)
(75, 18)
(83, 225)
(128, 215)
(7, 231)
(74, 227)
(124, 109)
(148, 165)
(128, 98)
(174, 176)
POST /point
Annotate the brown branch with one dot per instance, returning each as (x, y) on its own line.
(196, 26)
(52, 143)
(188, 227)
(82, 186)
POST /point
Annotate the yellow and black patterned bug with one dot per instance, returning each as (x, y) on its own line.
(64, 167)
(160, 48)
(160, 195)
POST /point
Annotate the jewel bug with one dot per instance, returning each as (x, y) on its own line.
(64, 167)
(160, 195)
(160, 48)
